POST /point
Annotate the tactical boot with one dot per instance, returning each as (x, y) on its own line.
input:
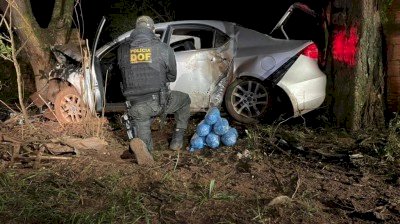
(177, 139)
(143, 156)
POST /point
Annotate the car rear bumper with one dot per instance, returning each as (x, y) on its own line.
(305, 84)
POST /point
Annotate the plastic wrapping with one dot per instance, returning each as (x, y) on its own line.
(217, 96)
(212, 116)
(221, 127)
(230, 137)
(212, 140)
(203, 129)
(197, 143)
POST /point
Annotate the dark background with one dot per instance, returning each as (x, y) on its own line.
(258, 15)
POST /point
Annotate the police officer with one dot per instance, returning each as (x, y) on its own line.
(147, 66)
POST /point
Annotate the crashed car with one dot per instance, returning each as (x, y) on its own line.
(250, 74)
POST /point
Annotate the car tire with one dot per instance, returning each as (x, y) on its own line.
(69, 106)
(247, 100)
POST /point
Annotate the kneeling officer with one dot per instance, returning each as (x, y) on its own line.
(147, 65)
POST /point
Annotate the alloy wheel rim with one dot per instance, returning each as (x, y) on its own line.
(249, 99)
(72, 109)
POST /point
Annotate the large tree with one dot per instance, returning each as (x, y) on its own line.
(357, 74)
(36, 40)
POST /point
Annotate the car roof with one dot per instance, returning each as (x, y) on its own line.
(224, 26)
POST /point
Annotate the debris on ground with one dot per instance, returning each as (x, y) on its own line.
(86, 143)
(31, 143)
(250, 182)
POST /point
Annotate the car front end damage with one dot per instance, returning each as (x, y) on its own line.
(68, 95)
(73, 89)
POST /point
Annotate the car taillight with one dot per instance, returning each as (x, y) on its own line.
(311, 51)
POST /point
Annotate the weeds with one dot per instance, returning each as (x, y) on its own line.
(392, 147)
(259, 212)
(211, 188)
(210, 195)
(42, 198)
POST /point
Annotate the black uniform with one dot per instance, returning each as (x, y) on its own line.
(147, 64)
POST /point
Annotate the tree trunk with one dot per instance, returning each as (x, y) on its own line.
(357, 73)
(36, 41)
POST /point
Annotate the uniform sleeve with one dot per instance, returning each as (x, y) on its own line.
(171, 66)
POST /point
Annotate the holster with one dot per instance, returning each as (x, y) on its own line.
(129, 123)
(164, 97)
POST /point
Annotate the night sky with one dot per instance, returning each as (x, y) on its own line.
(252, 14)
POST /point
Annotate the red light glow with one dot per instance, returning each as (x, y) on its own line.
(345, 46)
(311, 51)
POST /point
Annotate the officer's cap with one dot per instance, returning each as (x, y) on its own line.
(145, 21)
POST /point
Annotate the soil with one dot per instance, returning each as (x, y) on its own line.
(287, 173)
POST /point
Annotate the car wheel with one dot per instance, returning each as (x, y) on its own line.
(247, 100)
(69, 107)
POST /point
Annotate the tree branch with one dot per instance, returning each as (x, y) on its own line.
(3, 18)
(5, 39)
(9, 26)
(56, 12)
(5, 58)
(24, 12)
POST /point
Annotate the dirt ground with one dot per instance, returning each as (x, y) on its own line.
(287, 173)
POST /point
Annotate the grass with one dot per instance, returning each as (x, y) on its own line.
(259, 212)
(43, 198)
(198, 188)
(209, 193)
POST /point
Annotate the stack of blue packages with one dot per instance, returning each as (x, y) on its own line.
(212, 131)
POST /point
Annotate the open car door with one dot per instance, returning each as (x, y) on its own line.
(93, 80)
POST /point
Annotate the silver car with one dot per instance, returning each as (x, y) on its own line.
(251, 74)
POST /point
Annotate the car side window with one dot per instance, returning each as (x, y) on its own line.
(159, 33)
(220, 39)
(186, 39)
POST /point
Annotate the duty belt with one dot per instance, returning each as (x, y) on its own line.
(149, 97)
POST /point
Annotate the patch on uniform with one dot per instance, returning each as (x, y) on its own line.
(140, 55)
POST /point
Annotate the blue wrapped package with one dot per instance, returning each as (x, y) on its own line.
(197, 143)
(212, 116)
(230, 137)
(212, 140)
(221, 127)
(203, 129)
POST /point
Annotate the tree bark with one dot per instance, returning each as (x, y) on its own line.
(357, 79)
(36, 41)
